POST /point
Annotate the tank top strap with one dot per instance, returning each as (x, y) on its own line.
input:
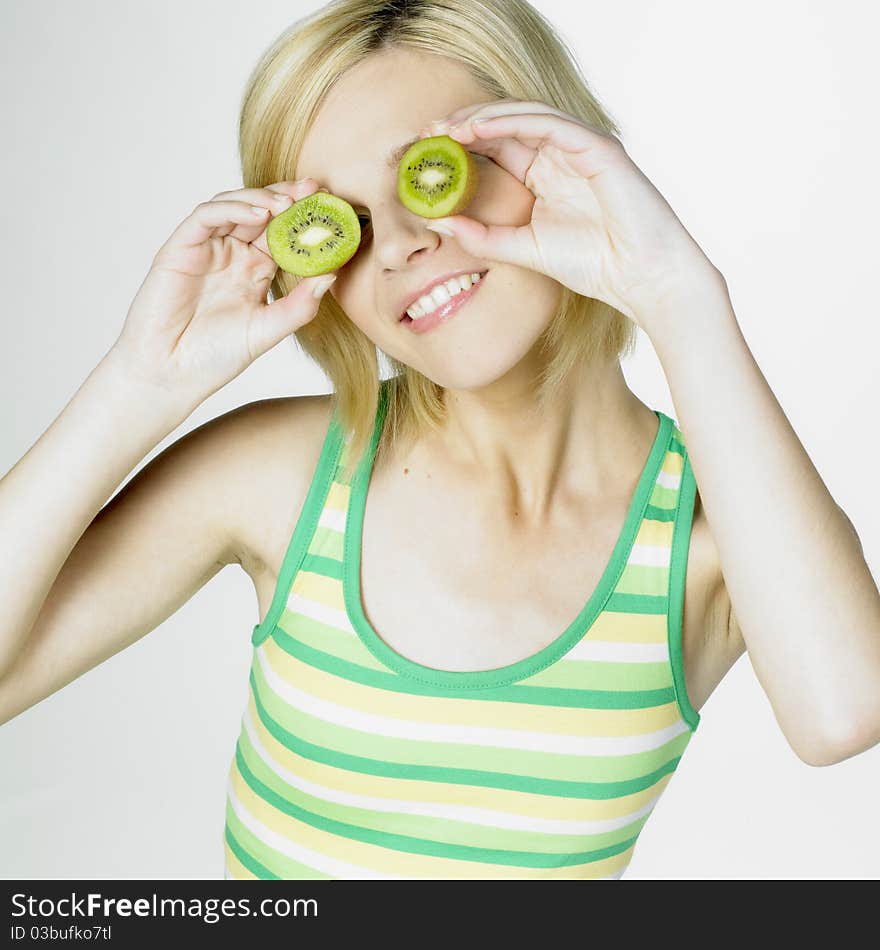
(686, 490)
(316, 539)
(306, 525)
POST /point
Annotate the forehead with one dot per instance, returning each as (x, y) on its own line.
(377, 105)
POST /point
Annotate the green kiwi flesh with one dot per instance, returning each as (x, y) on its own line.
(436, 177)
(315, 235)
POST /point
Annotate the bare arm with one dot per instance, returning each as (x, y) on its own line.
(803, 599)
(48, 499)
(78, 583)
(148, 551)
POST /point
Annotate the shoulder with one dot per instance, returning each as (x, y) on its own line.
(268, 450)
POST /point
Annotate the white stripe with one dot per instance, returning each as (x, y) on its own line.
(479, 816)
(650, 555)
(332, 518)
(669, 479)
(374, 724)
(584, 649)
(297, 603)
(297, 852)
(587, 649)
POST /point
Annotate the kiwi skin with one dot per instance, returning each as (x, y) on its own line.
(320, 209)
(444, 147)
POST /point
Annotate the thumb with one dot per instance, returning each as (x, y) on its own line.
(282, 317)
(498, 242)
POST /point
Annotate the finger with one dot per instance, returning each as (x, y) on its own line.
(499, 242)
(439, 126)
(511, 155)
(243, 220)
(467, 117)
(536, 131)
(271, 323)
(275, 198)
(497, 107)
(210, 218)
(292, 190)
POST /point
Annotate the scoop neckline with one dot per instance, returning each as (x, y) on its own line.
(579, 627)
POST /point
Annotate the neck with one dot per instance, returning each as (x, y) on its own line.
(524, 461)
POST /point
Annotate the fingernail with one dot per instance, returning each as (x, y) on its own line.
(321, 286)
(440, 229)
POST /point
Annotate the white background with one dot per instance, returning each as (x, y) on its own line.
(757, 121)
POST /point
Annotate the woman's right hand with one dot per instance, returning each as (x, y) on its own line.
(200, 317)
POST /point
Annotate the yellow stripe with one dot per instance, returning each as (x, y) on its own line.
(613, 627)
(403, 863)
(326, 591)
(656, 534)
(505, 800)
(338, 496)
(673, 464)
(452, 711)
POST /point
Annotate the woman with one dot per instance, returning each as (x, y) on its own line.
(510, 585)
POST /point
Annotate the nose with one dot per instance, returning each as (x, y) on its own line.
(400, 237)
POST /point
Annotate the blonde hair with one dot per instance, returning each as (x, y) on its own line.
(513, 52)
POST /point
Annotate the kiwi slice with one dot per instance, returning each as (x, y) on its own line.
(436, 177)
(314, 235)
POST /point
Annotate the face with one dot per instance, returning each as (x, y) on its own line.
(375, 108)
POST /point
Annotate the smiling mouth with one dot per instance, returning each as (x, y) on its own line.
(451, 303)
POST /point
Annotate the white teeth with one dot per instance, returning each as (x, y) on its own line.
(441, 294)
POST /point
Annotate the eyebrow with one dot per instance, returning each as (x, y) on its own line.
(398, 153)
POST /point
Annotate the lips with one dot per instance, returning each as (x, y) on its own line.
(412, 298)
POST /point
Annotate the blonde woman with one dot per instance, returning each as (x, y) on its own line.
(509, 586)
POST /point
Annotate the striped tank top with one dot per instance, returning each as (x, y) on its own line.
(354, 762)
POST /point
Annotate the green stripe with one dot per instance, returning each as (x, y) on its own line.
(249, 862)
(636, 604)
(605, 675)
(433, 848)
(262, 859)
(327, 543)
(516, 693)
(664, 497)
(323, 565)
(448, 754)
(434, 828)
(655, 513)
(326, 639)
(414, 769)
(644, 580)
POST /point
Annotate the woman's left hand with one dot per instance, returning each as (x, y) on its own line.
(598, 225)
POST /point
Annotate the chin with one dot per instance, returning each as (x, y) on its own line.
(479, 359)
